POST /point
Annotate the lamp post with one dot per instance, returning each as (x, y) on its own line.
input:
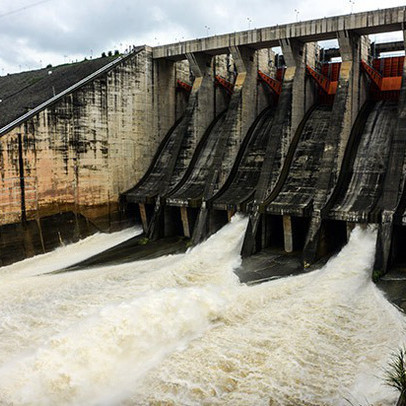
(352, 2)
(249, 22)
(297, 14)
(207, 29)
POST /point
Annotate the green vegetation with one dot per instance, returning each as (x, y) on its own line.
(143, 241)
(376, 275)
(34, 80)
(395, 374)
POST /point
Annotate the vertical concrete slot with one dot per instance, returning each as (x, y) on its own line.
(272, 232)
(217, 219)
(172, 222)
(397, 257)
(333, 237)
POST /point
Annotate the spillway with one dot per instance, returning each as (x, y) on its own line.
(182, 329)
(171, 161)
(362, 183)
(295, 188)
(155, 181)
(240, 185)
(191, 187)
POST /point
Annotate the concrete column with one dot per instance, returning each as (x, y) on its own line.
(294, 101)
(246, 83)
(198, 116)
(164, 96)
(197, 64)
(182, 73)
(265, 61)
(224, 67)
(297, 55)
(230, 213)
(240, 115)
(201, 68)
(185, 221)
(350, 96)
(249, 245)
(349, 227)
(287, 233)
(351, 85)
(395, 181)
(144, 218)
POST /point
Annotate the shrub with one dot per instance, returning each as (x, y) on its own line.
(395, 374)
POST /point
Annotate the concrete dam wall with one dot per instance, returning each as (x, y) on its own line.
(66, 163)
(182, 136)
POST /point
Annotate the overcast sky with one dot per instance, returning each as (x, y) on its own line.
(34, 33)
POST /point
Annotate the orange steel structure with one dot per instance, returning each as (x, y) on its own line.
(386, 77)
(384, 83)
(273, 84)
(184, 86)
(227, 86)
(329, 87)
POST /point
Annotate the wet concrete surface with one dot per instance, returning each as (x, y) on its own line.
(267, 265)
(393, 285)
(135, 249)
(272, 263)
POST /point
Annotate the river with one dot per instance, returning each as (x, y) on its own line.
(182, 330)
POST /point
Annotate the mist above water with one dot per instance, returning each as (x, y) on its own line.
(182, 329)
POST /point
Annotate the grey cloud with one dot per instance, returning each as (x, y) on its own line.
(73, 27)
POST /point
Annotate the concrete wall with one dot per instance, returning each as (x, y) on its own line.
(182, 72)
(83, 151)
(78, 155)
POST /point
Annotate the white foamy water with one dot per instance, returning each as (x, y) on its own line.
(182, 330)
(68, 255)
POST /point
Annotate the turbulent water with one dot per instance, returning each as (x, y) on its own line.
(182, 330)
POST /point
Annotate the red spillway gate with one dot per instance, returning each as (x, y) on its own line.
(386, 77)
(183, 86)
(225, 84)
(329, 86)
(327, 80)
(273, 84)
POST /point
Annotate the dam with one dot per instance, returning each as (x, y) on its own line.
(304, 139)
(135, 188)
